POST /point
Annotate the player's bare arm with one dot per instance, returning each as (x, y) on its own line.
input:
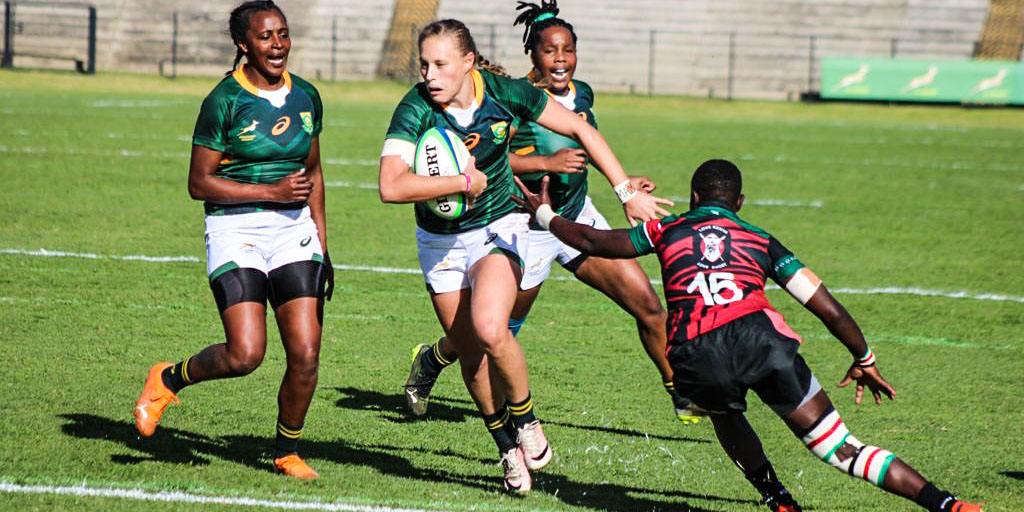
(317, 210)
(809, 290)
(205, 185)
(398, 185)
(565, 160)
(639, 206)
(613, 243)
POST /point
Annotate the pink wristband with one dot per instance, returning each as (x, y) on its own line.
(469, 183)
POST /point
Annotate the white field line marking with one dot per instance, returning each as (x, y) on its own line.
(889, 290)
(765, 202)
(184, 497)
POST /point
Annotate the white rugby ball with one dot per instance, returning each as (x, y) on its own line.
(441, 152)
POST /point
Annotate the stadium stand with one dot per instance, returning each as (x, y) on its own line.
(720, 48)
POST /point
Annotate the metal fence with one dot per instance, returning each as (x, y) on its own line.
(50, 32)
(720, 64)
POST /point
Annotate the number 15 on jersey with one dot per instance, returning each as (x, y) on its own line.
(712, 285)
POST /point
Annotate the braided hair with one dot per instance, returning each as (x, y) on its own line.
(239, 22)
(537, 19)
(463, 39)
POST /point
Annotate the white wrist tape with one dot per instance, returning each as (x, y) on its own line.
(544, 214)
(625, 191)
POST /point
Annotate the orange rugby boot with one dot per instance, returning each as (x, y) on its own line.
(293, 465)
(963, 506)
(155, 397)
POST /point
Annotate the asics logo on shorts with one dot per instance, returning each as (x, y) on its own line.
(490, 238)
(305, 241)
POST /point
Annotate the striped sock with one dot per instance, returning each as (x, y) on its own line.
(287, 440)
(498, 426)
(522, 412)
(177, 376)
(436, 360)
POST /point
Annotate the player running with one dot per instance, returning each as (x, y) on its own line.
(256, 164)
(472, 265)
(537, 151)
(725, 337)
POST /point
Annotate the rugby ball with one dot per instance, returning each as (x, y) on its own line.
(441, 152)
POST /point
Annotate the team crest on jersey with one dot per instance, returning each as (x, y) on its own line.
(249, 132)
(713, 246)
(307, 121)
(500, 131)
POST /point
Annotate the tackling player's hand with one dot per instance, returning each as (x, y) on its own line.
(644, 207)
(642, 183)
(293, 188)
(566, 160)
(478, 181)
(329, 268)
(530, 201)
(867, 376)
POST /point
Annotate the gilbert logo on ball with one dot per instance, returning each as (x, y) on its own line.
(440, 152)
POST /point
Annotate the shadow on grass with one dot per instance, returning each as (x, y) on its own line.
(392, 408)
(1017, 475)
(176, 446)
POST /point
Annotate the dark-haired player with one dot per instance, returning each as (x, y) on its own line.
(725, 338)
(550, 41)
(256, 165)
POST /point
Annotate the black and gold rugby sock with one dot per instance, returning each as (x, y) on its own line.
(522, 412)
(177, 377)
(436, 360)
(287, 440)
(498, 426)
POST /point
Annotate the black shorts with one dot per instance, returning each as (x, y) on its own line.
(715, 370)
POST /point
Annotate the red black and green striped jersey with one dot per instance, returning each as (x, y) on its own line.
(568, 191)
(263, 135)
(713, 266)
(500, 102)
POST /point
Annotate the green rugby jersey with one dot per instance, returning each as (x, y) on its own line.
(567, 191)
(501, 101)
(261, 142)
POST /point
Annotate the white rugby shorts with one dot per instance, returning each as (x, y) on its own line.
(263, 240)
(545, 248)
(446, 259)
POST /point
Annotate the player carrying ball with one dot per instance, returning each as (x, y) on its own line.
(472, 265)
(725, 338)
(537, 151)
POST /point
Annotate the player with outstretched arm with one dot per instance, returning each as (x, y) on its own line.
(472, 265)
(725, 338)
(537, 151)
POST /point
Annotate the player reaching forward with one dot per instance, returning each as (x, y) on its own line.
(537, 151)
(472, 265)
(725, 338)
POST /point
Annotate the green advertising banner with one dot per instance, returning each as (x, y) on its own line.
(989, 81)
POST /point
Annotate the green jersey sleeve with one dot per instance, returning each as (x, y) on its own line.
(212, 125)
(783, 263)
(409, 120)
(641, 236)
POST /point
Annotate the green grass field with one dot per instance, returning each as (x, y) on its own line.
(912, 200)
